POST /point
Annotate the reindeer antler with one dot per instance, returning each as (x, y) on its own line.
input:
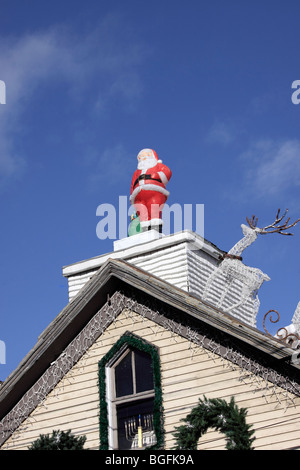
(274, 227)
(253, 222)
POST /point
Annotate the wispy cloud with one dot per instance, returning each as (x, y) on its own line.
(272, 168)
(110, 166)
(223, 132)
(101, 60)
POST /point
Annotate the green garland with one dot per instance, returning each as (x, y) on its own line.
(59, 440)
(131, 340)
(215, 413)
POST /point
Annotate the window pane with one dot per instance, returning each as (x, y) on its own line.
(130, 416)
(143, 371)
(123, 376)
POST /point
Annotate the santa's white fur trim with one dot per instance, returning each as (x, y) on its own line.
(156, 222)
(147, 187)
(163, 177)
(159, 161)
(147, 223)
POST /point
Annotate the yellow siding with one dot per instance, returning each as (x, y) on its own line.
(186, 377)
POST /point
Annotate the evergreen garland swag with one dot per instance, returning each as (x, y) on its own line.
(59, 440)
(133, 341)
(215, 413)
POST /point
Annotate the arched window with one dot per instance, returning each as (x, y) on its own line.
(129, 378)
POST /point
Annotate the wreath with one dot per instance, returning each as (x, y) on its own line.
(215, 413)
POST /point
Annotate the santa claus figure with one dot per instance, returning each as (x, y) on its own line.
(148, 189)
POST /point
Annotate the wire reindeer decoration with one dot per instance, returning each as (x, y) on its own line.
(232, 267)
(289, 334)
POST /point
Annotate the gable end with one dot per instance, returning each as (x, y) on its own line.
(250, 360)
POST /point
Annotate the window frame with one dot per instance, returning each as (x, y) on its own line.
(108, 399)
(113, 364)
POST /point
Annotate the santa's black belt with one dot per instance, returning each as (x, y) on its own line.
(146, 177)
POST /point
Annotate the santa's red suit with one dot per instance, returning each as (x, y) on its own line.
(148, 188)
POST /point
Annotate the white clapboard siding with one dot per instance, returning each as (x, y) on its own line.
(74, 403)
(172, 267)
(184, 260)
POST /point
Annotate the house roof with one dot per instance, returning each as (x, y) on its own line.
(118, 275)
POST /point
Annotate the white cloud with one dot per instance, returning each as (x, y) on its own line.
(110, 166)
(223, 132)
(102, 61)
(272, 168)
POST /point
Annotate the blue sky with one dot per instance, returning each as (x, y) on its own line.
(207, 84)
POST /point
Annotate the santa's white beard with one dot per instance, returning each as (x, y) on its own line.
(148, 163)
